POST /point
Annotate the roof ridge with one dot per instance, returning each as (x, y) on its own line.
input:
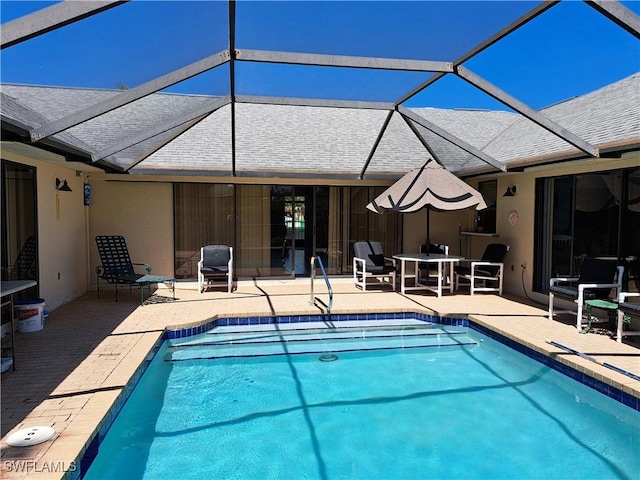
(597, 91)
(522, 119)
(515, 117)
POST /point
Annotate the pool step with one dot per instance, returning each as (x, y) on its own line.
(306, 335)
(317, 341)
(302, 331)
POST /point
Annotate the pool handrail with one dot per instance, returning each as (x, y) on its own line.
(313, 300)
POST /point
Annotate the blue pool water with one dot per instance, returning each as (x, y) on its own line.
(432, 402)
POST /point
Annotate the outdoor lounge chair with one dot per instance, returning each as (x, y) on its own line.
(116, 267)
(216, 262)
(25, 267)
(627, 310)
(597, 278)
(369, 261)
(488, 269)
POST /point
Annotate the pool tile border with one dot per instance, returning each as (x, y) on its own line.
(581, 377)
(184, 332)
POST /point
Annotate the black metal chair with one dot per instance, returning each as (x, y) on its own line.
(597, 279)
(429, 271)
(489, 268)
(369, 261)
(26, 266)
(216, 262)
(117, 268)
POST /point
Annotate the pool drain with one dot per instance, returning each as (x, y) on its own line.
(328, 357)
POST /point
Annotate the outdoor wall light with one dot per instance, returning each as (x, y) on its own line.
(62, 185)
(511, 191)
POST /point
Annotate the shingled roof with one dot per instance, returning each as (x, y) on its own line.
(303, 141)
(300, 89)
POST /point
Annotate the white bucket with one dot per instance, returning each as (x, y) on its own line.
(29, 313)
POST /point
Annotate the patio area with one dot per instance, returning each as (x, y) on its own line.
(98, 344)
(269, 127)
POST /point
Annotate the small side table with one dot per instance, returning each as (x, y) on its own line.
(147, 280)
(609, 306)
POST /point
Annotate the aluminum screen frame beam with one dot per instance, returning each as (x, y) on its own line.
(618, 14)
(526, 111)
(51, 18)
(232, 84)
(313, 102)
(344, 61)
(526, 18)
(158, 129)
(422, 140)
(372, 152)
(129, 96)
(405, 112)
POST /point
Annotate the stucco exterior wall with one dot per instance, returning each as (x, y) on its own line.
(141, 209)
(62, 232)
(142, 212)
(443, 228)
(521, 237)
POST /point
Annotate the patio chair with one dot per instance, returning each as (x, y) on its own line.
(216, 262)
(25, 267)
(597, 278)
(430, 271)
(117, 268)
(627, 311)
(369, 261)
(489, 268)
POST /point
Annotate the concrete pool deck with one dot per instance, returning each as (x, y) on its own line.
(69, 374)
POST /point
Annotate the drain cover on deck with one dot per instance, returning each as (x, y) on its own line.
(328, 357)
(30, 436)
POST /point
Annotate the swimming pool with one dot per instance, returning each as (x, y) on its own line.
(409, 401)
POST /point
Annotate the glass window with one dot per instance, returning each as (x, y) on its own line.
(382, 227)
(593, 215)
(276, 229)
(19, 225)
(203, 215)
(486, 218)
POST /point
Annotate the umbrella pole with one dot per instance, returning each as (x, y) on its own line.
(428, 225)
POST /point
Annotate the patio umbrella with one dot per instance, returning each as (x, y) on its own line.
(432, 187)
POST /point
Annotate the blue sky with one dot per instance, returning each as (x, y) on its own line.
(568, 51)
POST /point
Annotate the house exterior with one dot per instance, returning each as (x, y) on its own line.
(289, 182)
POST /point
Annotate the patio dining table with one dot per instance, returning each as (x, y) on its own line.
(440, 259)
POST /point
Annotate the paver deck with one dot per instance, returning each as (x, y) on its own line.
(69, 374)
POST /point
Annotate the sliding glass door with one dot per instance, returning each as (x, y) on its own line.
(595, 215)
(275, 230)
(204, 214)
(19, 224)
